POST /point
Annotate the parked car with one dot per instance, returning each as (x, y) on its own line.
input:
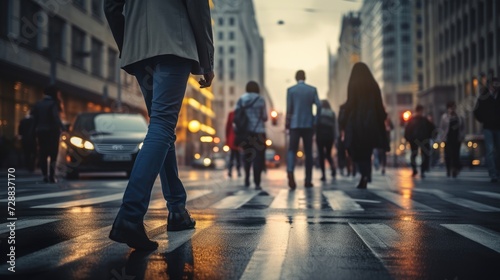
(102, 142)
(272, 159)
(472, 151)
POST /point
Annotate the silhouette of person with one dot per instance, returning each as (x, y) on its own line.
(419, 132)
(26, 133)
(325, 137)
(452, 132)
(301, 122)
(363, 127)
(161, 46)
(48, 127)
(234, 155)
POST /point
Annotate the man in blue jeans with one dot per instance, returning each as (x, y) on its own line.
(301, 122)
(161, 46)
(487, 112)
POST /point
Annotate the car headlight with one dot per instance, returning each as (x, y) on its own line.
(80, 143)
(140, 145)
(207, 162)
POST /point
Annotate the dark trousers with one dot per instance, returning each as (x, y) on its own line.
(163, 83)
(307, 138)
(254, 151)
(48, 142)
(452, 156)
(425, 152)
(29, 153)
(382, 157)
(325, 152)
(234, 156)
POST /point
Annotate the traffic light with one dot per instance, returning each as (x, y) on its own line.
(405, 117)
(274, 117)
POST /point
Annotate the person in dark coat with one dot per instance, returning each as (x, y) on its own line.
(28, 141)
(325, 137)
(48, 127)
(363, 126)
(487, 112)
(234, 149)
(452, 132)
(161, 43)
(419, 132)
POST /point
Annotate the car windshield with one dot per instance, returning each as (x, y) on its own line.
(112, 123)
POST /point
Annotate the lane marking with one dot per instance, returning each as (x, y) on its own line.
(22, 224)
(340, 201)
(481, 235)
(366, 200)
(171, 240)
(82, 202)
(487, 194)
(236, 201)
(377, 237)
(480, 207)
(404, 202)
(268, 258)
(285, 199)
(160, 203)
(49, 195)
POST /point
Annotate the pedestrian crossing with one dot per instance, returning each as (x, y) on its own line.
(273, 249)
(419, 200)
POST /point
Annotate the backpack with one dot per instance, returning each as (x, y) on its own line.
(241, 122)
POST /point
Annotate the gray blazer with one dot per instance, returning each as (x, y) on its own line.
(299, 101)
(147, 28)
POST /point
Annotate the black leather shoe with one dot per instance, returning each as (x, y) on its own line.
(291, 181)
(131, 233)
(180, 221)
(308, 185)
(363, 183)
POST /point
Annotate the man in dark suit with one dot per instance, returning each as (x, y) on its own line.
(161, 43)
(301, 121)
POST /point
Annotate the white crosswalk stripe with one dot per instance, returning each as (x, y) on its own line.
(460, 201)
(285, 199)
(22, 224)
(340, 201)
(481, 235)
(376, 236)
(487, 194)
(48, 195)
(160, 203)
(236, 201)
(404, 201)
(82, 202)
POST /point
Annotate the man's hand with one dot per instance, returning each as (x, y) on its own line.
(206, 81)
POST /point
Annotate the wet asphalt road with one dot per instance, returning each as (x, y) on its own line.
(400, 228)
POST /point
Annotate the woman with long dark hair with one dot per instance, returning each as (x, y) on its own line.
(363, 126)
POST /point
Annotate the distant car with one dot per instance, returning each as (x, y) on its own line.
(211, 161)
(272, 159)
(472, 151)
(102, 142)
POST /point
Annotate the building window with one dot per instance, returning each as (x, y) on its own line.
(80, 4)
(96, 57)
(447, 68)
(404, 98)
(56, 32)
(419, 49)
(420, 78)
(490, 44)
(231, 104)
(29, 11)
(446, 9)
(231, 21)
(221, 69)
(419, 34)
(231, 49)
(221, 50)
(440, 13)
(221, 35)
(446, 39)
(441, 42)
(466, 25)
(482, 54)
(452, 34)
(459, 61)
(441, 71)
(419, 19)
(4, 10)
(466, 57)
(405, 39)
(405, 26)
(480, 14)
(221, 21)
(473, 20)
(473, 54)
(489, 10)
(112, 61)
(459, 30)
(420, 63)
(97, 8)
(231, 90)
(453, 65)
(231, 63)
(231, 75)
(231, 35)
(78, 46)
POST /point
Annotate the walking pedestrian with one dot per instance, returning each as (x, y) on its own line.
(419, 132)
(234, 150)
(325, 137)
(300, 121)
(254, 144)
(343, 157)
(452, 132)
(48, 126)
(487, 112)
(382, 152)
(161, 43)
(26, 132)
(363, 125)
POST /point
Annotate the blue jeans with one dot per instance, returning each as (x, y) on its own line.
(307, 140)
(492, 145)
(163, 83)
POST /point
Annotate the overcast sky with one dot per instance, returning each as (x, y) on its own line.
(301, 42)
